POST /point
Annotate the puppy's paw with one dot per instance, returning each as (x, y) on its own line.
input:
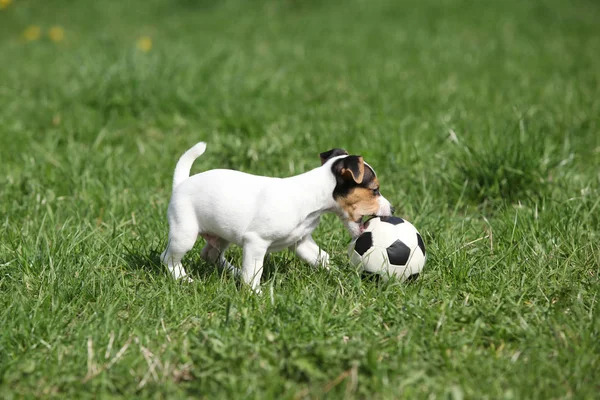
(323, 260)
(185, 279)
(257, 291)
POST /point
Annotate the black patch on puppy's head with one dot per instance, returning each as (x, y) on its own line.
(352, 173)
(326, 155)
(349, 169)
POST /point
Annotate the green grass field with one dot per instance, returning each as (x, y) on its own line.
(482, 119)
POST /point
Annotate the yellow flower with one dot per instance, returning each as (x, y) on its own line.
(144, 44)
(32, 32)
(4, 3)
(56, 33)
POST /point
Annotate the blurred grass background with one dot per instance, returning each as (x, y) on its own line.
(480, 117)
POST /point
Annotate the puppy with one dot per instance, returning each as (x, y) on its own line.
(263, 214)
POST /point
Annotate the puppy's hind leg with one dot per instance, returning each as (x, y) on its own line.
(311, 253)
(180, 242)
(214, 252)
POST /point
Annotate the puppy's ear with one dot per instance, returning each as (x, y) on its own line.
(326, 155)
(350, 168)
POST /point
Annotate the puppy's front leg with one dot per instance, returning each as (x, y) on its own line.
(310, 252)
(252, 262)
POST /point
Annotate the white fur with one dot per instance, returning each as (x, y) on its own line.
(258, 213)
(182, 169)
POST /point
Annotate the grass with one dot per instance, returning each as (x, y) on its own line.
(481, 119)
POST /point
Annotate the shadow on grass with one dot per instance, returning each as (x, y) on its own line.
(149, 261)
(377, 278)
(276, 265)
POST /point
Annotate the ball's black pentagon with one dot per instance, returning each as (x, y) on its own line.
(392, 220)
(398, 253)
(363, 243)
(421, 244)
(413, 277)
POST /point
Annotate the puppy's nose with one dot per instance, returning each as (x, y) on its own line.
(392, 210)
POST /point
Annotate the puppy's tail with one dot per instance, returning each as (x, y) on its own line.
(182, 169)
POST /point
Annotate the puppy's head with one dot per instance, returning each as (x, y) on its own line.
(356, 192)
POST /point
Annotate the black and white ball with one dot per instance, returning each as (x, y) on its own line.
(389, 246)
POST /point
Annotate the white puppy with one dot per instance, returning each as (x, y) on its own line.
(263, 214)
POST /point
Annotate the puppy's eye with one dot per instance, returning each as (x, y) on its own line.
(376, 192)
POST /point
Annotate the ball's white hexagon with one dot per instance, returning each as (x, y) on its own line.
(417, 260)
(407, 233)
(403, 272)
(375, 260)
(384, 234)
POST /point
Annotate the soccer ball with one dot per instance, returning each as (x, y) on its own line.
(389, 246)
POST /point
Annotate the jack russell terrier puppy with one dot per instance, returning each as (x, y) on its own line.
(263, 214)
